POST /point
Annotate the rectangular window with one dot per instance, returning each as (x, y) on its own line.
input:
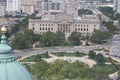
(75, 29)
(84, 29)
(33, 28)
(51, 28)
(48, 28)
(87, 29)
(81, 29)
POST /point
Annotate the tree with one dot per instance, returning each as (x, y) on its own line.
(23, 40)
(29, 34)
(59, 38)
(92, 54)
(75, 38)
(36, 37)
(48, 39)
(20, 42)
(39, 69)
(100, 59)
(99, 36)
(108, 11)
(15, 28)
(111, 28)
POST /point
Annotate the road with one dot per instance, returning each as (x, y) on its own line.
(114, 47)
(115, 50)
(29, 52)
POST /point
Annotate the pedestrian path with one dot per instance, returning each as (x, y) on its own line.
(114, 76)
(83, 59)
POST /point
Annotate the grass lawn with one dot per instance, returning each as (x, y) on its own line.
(75, 54)
(36, 58)
(108, 69)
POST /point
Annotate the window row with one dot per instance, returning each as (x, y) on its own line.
(63, 24)
(81, 25)
(43, 28)
(46, 28)
(44, 24)
(81, 29)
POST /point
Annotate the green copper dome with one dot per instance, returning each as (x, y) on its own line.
(4, 47)
(10, 69)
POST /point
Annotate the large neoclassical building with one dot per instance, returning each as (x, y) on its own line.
(66, 23)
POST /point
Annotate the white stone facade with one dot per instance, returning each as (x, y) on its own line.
(13, 5)
(65, 23)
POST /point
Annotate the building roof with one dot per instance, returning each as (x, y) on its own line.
(63, 17)
(10, 69)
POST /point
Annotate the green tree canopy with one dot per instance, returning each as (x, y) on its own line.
(48, 39)
(100, 59)
(75, 38)
(20, 42)
(111, 28)
(59, 38)
(99, 36)
(63, 70)
(23, 40)
(92, 54)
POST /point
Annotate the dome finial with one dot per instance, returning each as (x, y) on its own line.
(3, 28)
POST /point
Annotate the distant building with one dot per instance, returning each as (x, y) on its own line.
(28, 6)
(117, 6)
(13, 6)
(3, 1)
(56, 6)
(2, 8)
(65, 23)
(39, 6)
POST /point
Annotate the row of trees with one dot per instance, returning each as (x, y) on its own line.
(27, 38)
(100, 37)
(63, 70)
(58, 39)
(110, 27)
(109, 12)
